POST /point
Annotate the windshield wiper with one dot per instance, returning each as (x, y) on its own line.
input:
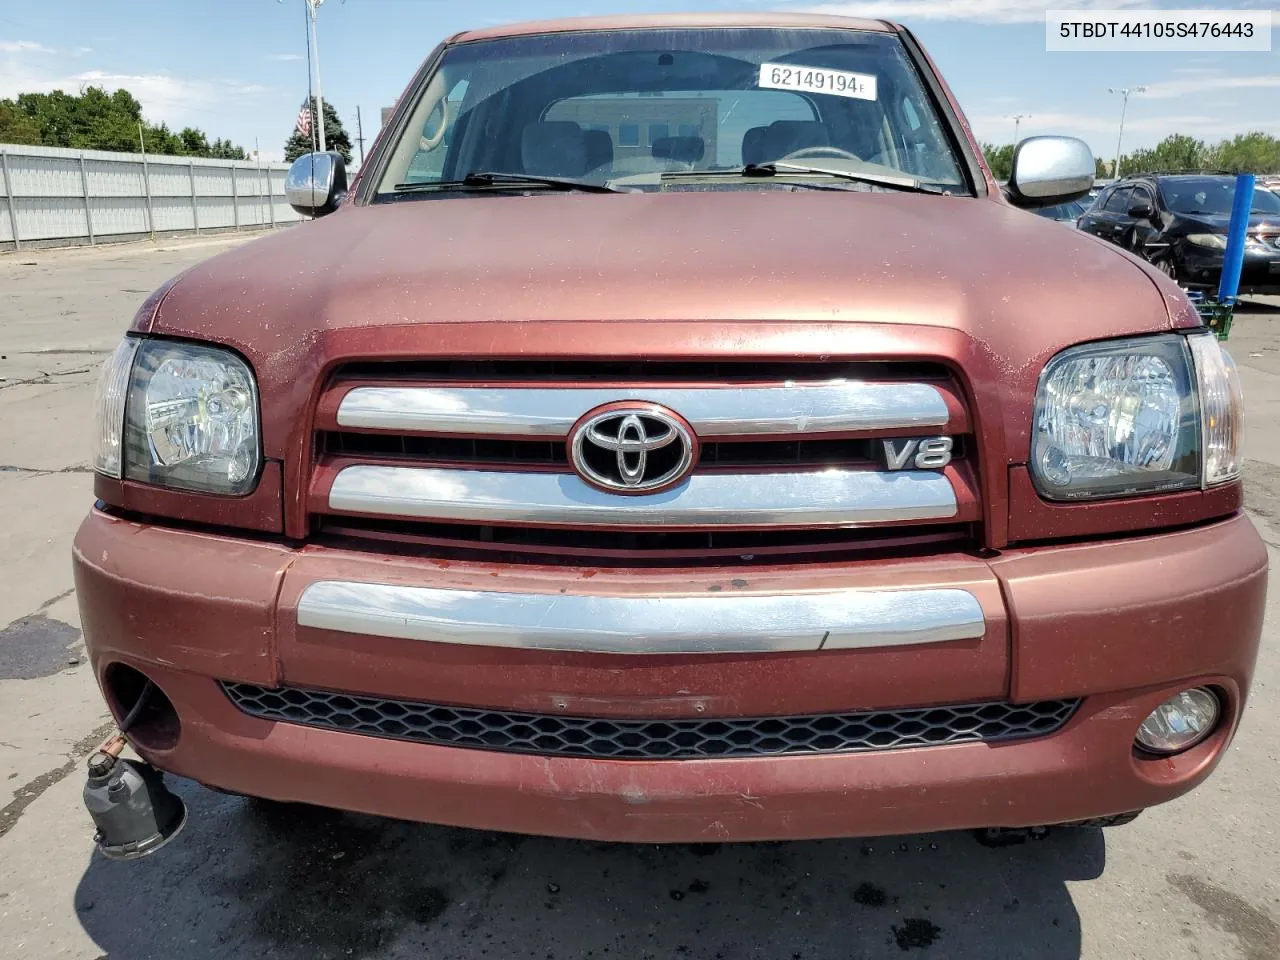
(495, 179)
(911, 184)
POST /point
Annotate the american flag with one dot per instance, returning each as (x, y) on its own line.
(304, 118)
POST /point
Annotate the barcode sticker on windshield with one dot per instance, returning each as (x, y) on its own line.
(839, 83)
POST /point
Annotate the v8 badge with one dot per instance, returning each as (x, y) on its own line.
(921, 453)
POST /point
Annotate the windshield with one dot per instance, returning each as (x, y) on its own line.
(645, 108)
(1212, 196)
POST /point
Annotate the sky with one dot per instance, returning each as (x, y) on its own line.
(237, 68)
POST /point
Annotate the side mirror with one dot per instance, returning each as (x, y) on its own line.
(1141, 211)
(1048, 170)
(316, 183)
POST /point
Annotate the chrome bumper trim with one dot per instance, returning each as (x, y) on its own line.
(715, 623)
(840, 405)
(828, 498)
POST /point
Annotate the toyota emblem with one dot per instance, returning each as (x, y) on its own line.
(632, 448)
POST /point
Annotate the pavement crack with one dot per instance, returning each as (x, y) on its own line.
(52, 600)
(38, 472)
(43, 378)
(63, 351)
(33, 790)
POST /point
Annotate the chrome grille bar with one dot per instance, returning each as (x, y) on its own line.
(835, 406)
(826, 498)
(713, 623)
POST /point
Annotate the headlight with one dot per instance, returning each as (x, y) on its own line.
(1214, 241)
(187, 420)
(1135, 417)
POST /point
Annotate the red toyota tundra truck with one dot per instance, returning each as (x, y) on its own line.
(674, 433)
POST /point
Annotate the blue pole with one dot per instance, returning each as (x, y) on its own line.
(1233, 258)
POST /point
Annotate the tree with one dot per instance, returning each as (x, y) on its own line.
(226, 150)
(1175, 152)
(1101, 169)
(335, 136)
(999, 159)
(16, 126)
(96, 120)
(1254, 152)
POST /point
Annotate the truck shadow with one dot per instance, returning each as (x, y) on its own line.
(249, 880)
(1259, 307)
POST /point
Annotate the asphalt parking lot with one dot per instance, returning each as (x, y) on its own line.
(1193, 879)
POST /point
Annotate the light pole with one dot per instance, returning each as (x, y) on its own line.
(1125, 91)
(312, 7)
(1017, 122)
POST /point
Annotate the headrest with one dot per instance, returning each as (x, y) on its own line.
(554, 148)
(753, 142)
(599, 146)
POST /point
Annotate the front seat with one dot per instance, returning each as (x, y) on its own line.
(599, 146)
(554, 148)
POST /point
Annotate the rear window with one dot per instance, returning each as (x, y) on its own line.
(719, 120)
(633, 105)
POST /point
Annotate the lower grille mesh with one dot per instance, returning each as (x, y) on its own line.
(550, 735)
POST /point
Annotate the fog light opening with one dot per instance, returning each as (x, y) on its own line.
(141, 707)
(1181, 722)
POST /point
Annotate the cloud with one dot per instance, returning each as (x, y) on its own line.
(24, 46)
(284, 57)
(1168, 89)
(1046, 121)
(163, 97)
(986, 11)
(178, 101)
(1100, 131)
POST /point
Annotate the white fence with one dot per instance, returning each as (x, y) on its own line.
(50, 196)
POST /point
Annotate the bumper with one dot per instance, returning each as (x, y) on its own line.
(1260, 274)
(1122, 625)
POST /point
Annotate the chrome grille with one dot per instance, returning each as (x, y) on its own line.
(630, 548)
(676, 739)
(475, 454)
(521, 452)
(829, 406)
(826, 498)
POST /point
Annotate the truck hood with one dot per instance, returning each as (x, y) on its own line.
(694, 274)
(974, 265)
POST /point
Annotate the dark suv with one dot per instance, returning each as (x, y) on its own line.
(1179, 223)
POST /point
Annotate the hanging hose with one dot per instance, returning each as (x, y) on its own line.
(104, 758)
(131, 717)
